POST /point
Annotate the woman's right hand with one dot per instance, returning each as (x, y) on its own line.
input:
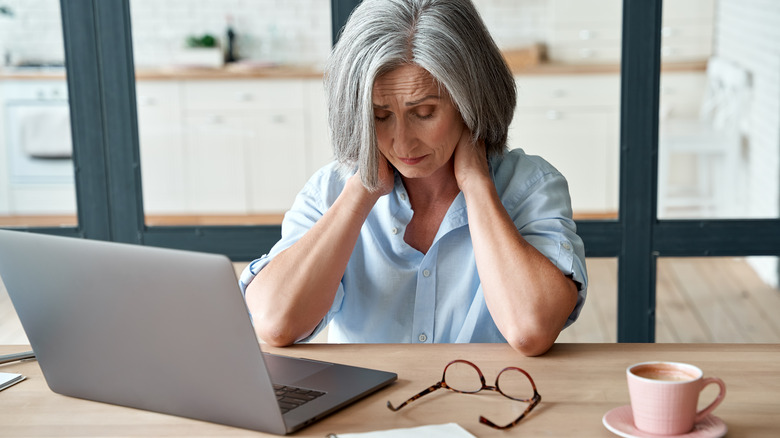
(386, 179)
(386, 176)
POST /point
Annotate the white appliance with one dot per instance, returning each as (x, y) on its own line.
(38, 136)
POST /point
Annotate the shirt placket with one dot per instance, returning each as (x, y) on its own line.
(425, 300)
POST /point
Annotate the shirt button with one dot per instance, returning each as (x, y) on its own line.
(403, 196)
(566, 246)
(422, 337)
(394, 230)
(426, 273)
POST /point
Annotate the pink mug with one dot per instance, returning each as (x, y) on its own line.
(664, 396)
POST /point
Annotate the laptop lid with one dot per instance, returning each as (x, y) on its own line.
(157, 329)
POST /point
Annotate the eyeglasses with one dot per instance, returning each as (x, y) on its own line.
(466, 378)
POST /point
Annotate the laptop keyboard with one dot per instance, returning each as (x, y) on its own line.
(290, 397)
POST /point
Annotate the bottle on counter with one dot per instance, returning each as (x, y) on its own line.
(230, 50)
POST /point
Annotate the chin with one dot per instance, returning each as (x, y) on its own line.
(406, 172)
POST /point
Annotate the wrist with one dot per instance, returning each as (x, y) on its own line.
(476, 184)
(358, 196)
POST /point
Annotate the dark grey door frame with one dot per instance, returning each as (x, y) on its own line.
(101, 85)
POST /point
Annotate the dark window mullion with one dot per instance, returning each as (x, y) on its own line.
(117, 74)
(717, 238)
(85, 93)
(640, 71)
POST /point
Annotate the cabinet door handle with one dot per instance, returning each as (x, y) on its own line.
(245, 97)
(559, 93)
(586, 34)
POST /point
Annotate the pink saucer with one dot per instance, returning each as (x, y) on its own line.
(620, 421)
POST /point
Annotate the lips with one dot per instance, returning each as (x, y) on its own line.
(412, 161)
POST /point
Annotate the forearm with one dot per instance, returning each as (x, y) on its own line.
(294, 291)
(528, 297)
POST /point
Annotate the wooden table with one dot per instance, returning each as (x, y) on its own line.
(579, 383)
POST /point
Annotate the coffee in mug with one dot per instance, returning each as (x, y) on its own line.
(665, 371)
(664, 396)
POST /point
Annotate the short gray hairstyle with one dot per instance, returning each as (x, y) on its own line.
(445, 37)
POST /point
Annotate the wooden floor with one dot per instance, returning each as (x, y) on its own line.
(698, 300)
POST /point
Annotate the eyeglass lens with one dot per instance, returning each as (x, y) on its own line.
(462, 376)
(514, 384)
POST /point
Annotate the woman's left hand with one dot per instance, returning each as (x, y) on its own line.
(470, 160)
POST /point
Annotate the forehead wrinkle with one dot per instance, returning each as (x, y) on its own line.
(411, 89)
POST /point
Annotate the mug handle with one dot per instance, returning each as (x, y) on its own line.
(706, 411)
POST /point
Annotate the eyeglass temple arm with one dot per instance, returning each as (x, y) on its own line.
(429, 390)
(535, 401)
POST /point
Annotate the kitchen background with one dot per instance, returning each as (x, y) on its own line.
(232, 143)
(282, 31)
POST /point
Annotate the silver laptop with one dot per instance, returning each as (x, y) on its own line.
(162, 330)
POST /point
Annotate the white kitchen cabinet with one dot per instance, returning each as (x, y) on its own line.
(41, 198)
(245, 145)
(36, 175)
(687, 30)
(214, 162)
(572, 121)
(584, 31)
(589, 31)
(320, 150)
(161, 146)
(275, 160)
(236, 95)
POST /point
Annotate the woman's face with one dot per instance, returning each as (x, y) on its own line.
(417, 126)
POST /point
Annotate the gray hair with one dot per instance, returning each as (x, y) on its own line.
(445, 37)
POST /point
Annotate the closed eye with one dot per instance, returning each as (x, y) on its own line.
(381, 115)
(424, 112)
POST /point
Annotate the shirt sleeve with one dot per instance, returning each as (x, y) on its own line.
(536, 196)
(306, 210)
(309, 206)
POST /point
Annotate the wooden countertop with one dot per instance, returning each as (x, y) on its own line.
(239, 71)
(234, 71)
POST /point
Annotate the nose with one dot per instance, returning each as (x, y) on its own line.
(403, 138)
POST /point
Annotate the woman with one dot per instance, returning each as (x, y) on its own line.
(425, 230)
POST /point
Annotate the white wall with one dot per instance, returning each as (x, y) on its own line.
(748, 33)
(268, 30)
(34, 32)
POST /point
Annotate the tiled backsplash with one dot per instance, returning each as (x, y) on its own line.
(284, 31)
(287, 31)
(31, 31)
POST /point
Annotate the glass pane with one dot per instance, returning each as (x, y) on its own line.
(566, 58)
(719, 110)
(717, 300)
(36, 170)
(11, 331)
(598, 319)
(231, 109)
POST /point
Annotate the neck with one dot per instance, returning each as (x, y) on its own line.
(441, 187)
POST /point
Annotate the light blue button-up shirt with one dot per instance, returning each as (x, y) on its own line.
(391, 292)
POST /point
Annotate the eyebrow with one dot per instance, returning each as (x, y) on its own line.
(412, 103)
(419, 101)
